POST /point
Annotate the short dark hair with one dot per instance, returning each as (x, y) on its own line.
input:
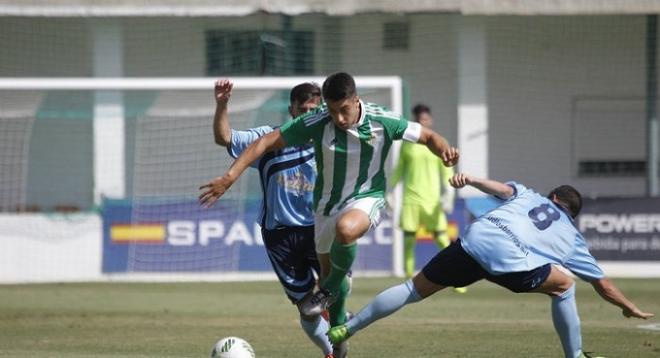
(569, 197)
(304, 92)
(339, 86)
(419, 109)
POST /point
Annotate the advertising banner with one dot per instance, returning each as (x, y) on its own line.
(622, 229)
(180, 236)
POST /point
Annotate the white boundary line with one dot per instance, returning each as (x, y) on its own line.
(212, 277)
(146, 277)
(650, 327)
(615, 269)
(623, 269)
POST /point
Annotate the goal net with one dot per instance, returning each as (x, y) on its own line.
(159, 133)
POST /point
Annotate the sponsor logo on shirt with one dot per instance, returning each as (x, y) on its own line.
(500, 225)
(295, 183)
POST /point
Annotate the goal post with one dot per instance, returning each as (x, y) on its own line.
(146, 163)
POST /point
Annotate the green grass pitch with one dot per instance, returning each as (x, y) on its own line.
(185, 319)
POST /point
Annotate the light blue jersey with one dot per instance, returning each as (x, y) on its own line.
(287, 180)
(527, 231)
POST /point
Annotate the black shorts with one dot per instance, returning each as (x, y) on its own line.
(453, 267)
(292, 253)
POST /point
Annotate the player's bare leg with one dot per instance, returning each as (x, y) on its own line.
(556, 284)
(424, 287)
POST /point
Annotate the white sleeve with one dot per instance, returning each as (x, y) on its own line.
(412, 132)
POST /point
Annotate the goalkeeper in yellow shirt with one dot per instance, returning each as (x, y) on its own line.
(424, 178)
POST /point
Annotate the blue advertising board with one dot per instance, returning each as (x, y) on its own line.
(180, 236)
(622, 229)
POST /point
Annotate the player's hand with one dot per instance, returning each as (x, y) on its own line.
(213, 190)
(223, 89)
(460, 180)
(450, 156)
(636, 313)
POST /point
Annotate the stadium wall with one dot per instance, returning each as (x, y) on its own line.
(548, 71)
(557, 75)
(563, 89)
(429, 66)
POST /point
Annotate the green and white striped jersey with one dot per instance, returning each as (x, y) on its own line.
(350, 163)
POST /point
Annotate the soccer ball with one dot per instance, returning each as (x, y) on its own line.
(232, 347)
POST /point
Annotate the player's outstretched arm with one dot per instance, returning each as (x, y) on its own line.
(221, 129)
(213, 190)
(488, 186)
(613, 295)
(439, 146)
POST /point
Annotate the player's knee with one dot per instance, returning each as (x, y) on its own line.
(566, 284)
(348, 230)
(424, 287)
(559, 286)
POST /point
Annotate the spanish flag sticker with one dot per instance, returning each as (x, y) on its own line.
(139, 233)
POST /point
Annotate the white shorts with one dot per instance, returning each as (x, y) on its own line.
(325, 226)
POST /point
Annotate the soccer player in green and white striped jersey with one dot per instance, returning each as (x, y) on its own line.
(351, 140)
